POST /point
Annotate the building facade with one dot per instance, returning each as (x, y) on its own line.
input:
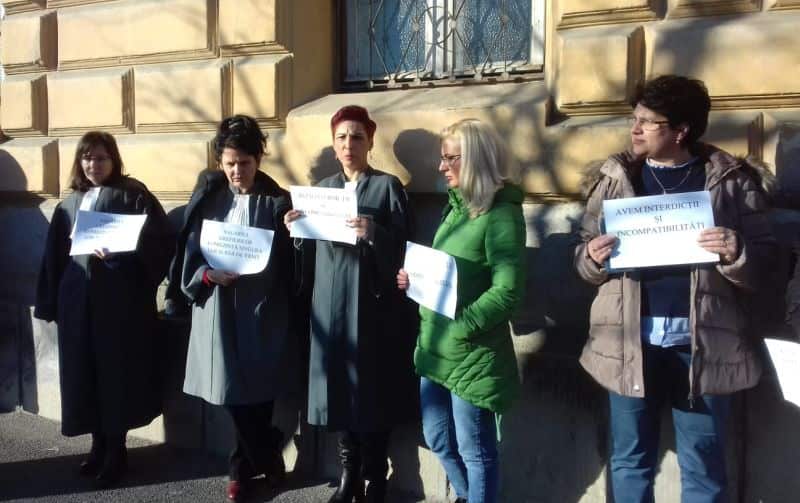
(554, 77)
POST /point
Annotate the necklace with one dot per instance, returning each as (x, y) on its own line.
(665, 189)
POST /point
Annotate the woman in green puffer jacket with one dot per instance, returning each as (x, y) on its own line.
(467, 365)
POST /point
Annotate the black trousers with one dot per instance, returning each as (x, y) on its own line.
(369, 450)
(254, 439)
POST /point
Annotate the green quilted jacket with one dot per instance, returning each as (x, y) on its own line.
(473, 356)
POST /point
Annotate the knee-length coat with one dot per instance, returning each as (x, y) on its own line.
(105, 311)
(362, 327)
(240, 347)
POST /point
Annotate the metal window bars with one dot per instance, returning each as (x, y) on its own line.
(395, 43)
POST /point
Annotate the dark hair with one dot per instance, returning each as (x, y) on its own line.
(90, 140)
(239, 132)
(680, 99)
(357, 114)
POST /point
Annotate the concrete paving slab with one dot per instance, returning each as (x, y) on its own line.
(38, 464)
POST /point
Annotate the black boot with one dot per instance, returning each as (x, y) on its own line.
(351, 485)
(91, 465)
(375, 491)
(275, 471)
(375, 466)
(115, 462)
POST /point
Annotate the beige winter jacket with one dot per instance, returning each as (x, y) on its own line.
(724, 359)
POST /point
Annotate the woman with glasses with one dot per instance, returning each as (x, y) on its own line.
(241, 351)
(361, 329)
(105, 306)
(674, 335)
(467, 366)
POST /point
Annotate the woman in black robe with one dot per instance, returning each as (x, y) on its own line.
(362, 332)
(105, 307)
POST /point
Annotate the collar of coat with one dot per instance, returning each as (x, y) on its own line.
(626, 166)
(369, 170)
(508, 193)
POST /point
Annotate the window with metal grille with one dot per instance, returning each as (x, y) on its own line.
(393, 43)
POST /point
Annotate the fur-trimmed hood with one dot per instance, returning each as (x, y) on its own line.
(627, 164)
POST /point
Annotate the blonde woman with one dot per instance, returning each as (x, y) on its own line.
(467, 365)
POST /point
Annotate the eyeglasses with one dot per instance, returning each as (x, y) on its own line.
(98, 159)
(645, 124)
(450, 159)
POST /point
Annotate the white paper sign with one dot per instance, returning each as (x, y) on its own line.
(433, 279)
(325, 211)
(659, 230)
(785, 357)
(113, 232)
(235, 248)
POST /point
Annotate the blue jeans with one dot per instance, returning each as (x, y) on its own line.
(464, 438)
(699, 431)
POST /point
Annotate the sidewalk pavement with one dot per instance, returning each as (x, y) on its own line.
(37, 464)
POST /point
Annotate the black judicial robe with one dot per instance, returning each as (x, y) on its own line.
(106, 312)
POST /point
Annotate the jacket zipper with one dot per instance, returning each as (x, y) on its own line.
(694, 369)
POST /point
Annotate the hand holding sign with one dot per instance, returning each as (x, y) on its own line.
(430, 278)
(220, 277)
(600, 248)
(722, 241)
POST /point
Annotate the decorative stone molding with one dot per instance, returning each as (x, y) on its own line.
(137, 32)
(259, 87)
(34, 48)
(23, 109)
(54, 4)
(110, 107)
(20, 6)
(30, 165)
(598, 71)
(167, 163)
(714, 52)
(249, 27)
(785, 5)
(576, 13)
(696, 8)
(185, 97)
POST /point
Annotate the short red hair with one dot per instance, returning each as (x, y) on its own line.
(357, 114)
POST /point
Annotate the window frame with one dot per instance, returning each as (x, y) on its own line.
(532, 71)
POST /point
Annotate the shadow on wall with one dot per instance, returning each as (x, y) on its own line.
(418, 151)
(324, 166)
(21, 349)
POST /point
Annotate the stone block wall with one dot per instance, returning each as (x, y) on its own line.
(161, 74)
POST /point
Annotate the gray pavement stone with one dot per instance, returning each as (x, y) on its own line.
(38, 464)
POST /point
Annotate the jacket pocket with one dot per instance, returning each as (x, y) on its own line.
(720, 312)
(607, 306)
(606, 320)
(443, 338)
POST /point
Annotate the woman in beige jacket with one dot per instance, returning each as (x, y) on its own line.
(674, 334)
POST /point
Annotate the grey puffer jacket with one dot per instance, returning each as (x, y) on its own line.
(724, 356)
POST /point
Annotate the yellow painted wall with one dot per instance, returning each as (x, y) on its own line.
(161, 73)
(163, 68)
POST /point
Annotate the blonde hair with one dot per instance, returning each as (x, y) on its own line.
(485, 164)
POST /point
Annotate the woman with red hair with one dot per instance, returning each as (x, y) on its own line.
(361, 341)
